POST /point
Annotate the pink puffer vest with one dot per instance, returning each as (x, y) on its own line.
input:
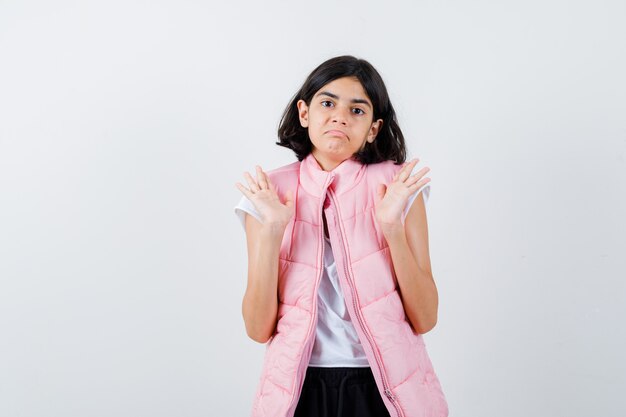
(400, 363)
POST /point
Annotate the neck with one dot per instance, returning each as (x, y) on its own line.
(326, 164)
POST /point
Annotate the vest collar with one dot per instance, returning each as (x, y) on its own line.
(341, 179)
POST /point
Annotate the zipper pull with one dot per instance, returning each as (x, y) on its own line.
(389, 394)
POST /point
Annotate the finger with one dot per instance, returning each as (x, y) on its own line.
(419, 174)
(414, 187)
(251, 182)
(270, 184)
(395, 177)
(406, 171)
(261, 179)
(244, 190)
(411, 180)
(268, 180)
(289, 198)
(380, 191)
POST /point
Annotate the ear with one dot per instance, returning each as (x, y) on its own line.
(303, 113)
(374, 129)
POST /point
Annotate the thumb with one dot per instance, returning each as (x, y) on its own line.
(289, 198)
(380, 191)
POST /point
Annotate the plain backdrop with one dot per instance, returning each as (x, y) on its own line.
(124, 126)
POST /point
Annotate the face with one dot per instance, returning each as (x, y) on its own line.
(339, 121)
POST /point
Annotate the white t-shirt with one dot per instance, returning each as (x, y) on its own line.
(336, 341)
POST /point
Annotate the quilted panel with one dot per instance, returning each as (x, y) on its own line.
(398, 346)
(296, 283)
(284, 350)
(308, 207)
(306, 240)
(416, 400)
(354, 203)
(371, 275)
(421, 395)
(272, 401)
(364, 236)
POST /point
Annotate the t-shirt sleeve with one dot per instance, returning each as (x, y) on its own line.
(425, 190)
(245, 206)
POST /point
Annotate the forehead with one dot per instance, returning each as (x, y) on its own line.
(347, 88)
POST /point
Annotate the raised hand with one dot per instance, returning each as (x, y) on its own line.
(262, 194)
(392, 198)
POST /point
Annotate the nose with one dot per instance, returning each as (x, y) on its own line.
(339, 115)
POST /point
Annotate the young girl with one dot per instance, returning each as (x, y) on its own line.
(339, 278)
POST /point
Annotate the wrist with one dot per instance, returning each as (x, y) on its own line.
(273, 229)
(391, 230)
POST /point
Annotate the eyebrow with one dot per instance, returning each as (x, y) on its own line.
(336, 97)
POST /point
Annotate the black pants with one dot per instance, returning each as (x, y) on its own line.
(340, 392)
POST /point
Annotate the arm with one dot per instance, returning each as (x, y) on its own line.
(408, 245)
(260, 302)
(411, 261)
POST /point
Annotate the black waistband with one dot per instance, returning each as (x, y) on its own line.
(334, 376)
(338, 377)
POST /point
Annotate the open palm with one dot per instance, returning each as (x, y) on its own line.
(263, 195)
(392, 198)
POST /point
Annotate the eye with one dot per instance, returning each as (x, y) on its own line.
(326, 101)
(359, 110)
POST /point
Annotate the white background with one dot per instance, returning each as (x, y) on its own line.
(125, 124)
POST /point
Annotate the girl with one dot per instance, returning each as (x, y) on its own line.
(339, 278)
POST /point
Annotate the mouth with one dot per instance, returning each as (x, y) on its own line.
(337, 133)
